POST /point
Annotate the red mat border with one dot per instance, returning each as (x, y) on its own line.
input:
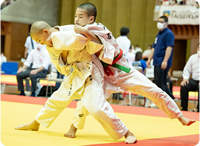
(117, 108)
(188, 140)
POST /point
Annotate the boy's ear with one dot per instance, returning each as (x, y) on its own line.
(91, 19)
(46, 31)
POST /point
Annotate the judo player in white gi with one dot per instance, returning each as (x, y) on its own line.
(67, 50)
(119, 77)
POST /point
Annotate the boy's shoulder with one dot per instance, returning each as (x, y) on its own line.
(97, 24)
(65, 27)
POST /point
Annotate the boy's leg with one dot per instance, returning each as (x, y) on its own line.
(52, 108)
(95, 103)
(78, 120)
(80, 116)
(139, 84)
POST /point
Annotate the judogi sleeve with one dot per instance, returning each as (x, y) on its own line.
(69, 40)
(110, 46)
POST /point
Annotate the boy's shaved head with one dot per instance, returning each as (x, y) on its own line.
(90, 8)
(38, 26)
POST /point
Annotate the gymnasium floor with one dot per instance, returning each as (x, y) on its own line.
(150, 126)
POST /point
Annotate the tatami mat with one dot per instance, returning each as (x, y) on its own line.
(150, 126)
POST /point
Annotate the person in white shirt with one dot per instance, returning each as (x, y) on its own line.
(190, 84)
(3, 58)
(40, 59)
(29, 45)
(146, 53)
(137, 49)
(123, 41)
(130, 56)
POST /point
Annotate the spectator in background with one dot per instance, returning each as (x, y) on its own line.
(137, 48)
(3, 58)
(30, 44)
(40, 59)
(197, 5)
(139, 62)
(130, 56)
(169, 81)
(123, 41)
(173, 2)
(165, 2)
(6, 3)
(162, 52)
(124, 44)
(147, 53)
(182, 2)
(59, 76)
(191, 67)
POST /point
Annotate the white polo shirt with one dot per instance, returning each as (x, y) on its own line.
(28, 44)
(192, 67)
(38, 57)
(124, 43)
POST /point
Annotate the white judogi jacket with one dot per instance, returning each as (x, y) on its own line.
(80, 51)
(86, 81)
(80, 59)
(120, 82)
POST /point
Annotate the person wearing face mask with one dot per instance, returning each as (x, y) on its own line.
(190, 84)
(39, 58)
(162, 51)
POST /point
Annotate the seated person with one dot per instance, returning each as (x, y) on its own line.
(130, 56)
(3, 58)
(137, 48)
(139, 62)
(182, 2)
(40, 59)
(147, 53)
(191, 67)
(169, 81)
(30, 44)
(59, 76)
(173, 2)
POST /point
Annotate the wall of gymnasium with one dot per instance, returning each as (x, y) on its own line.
(114, 14)
(137, 15)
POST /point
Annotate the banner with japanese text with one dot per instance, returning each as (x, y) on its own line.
(181, 15)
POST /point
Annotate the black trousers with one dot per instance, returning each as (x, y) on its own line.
(25, 74)
(160, 79)
(170, 82)
(191, 86)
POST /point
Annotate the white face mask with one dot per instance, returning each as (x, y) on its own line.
(198, 52)
(160, 25)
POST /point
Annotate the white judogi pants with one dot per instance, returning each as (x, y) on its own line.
(93, 100)
(137, 83)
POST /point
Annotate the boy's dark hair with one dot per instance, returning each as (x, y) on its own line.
(138, 56)
(124, 31)
(164, 17)
(90, 8)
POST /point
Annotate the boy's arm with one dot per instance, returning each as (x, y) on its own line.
(90, 36)
(70, 40)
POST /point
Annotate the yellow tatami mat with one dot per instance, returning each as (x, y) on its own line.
(144, 127)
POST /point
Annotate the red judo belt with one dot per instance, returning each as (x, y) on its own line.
(108, 71)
